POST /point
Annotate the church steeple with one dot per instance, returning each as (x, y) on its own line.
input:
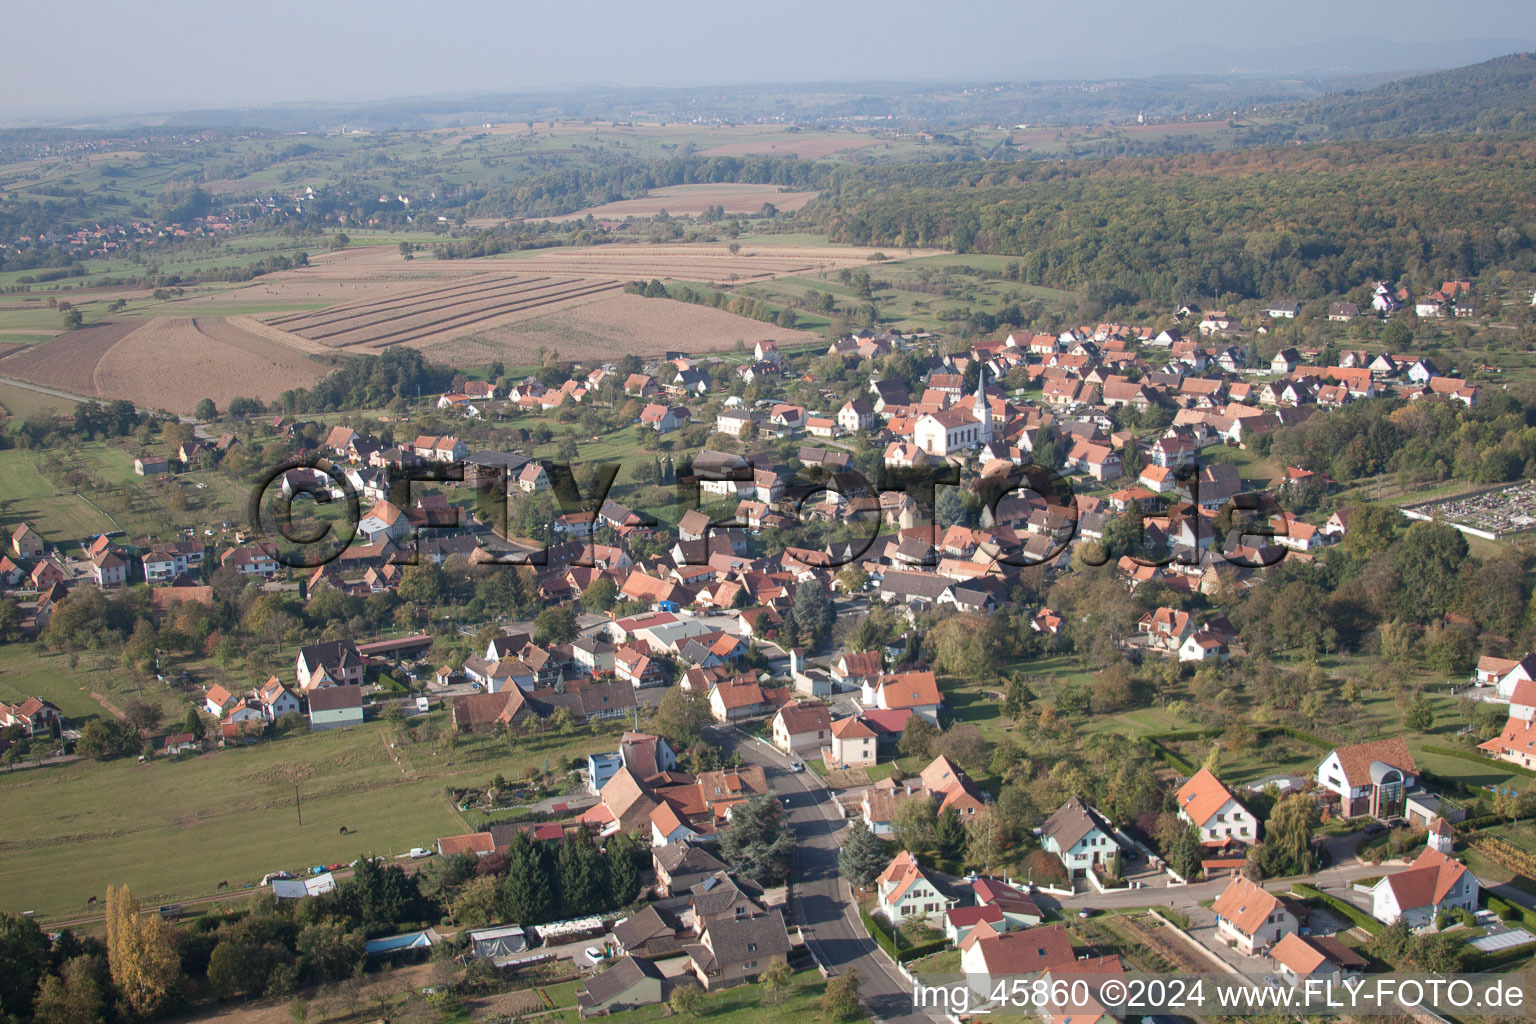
(982, 409)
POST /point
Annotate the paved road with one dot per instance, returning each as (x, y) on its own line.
(822, 904)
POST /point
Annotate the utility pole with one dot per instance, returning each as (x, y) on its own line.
(299, 808)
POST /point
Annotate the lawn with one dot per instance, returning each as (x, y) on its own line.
(29, 670)
(21, 402)
(744, 1004)
(175, 829)
(32, 498)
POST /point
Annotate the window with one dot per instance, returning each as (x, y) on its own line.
(751, 947)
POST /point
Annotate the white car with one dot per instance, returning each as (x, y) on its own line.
(417, 852)
(593, 954)
(796, 766)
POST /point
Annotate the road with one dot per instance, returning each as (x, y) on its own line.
(197, 430)
(821, 903)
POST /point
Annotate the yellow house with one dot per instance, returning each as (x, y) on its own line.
(853, 743)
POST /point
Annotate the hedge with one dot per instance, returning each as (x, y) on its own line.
(1511, 911)
(1168, 757)
(880, 932)
(1349, 910)
(1467, 755)
(1305, 737)
(1498, 958)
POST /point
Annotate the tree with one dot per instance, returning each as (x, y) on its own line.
(1420, 716)
(686, 999)
(421, 584)
(757, 842)
(682, 715)
(964, 744)
(24, 952)
(915, 823)
(1180, 845)
(840, 1001)
(1016, 699)
(966, 646)
(527, 892)
(142, 956)
(555, 625)
(600, 595)
(949, 834)
(193, 723)
(10, 620)
(143, 716)
(918, 737)
(76, 995)
(776, 981)
(986, 838)
(328, 951)
(477, 902)
(583, 878)
(1287, 846)
(862, 856)
(230, 970)
(105, 738)
(205, 410)
(622, 873)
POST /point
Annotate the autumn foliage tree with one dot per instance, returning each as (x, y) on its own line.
(141, 954)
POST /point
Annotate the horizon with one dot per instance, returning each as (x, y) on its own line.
(383, 55)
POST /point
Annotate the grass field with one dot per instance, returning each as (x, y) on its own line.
(21, 402)
(175, 829)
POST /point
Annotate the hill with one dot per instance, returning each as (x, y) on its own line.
(1498, 95)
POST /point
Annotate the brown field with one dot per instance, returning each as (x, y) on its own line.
(692, 200)
(610, 326)
(68, 361)
(164, 363)
(6, 350)
(171, 362)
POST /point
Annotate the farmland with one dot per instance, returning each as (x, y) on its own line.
(145, 361)
(692, 200)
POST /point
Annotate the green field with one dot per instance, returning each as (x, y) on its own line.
(175, 829)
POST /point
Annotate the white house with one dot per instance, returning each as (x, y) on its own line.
(853, 743)
(1432, 883)
(1205, 802)
(906, 892)
(1369, 778)
(1251, 918)
(801, 728)
(1080, 836)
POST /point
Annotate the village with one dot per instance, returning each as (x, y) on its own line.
(797, 726)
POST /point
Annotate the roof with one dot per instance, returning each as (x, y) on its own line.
(852, 728)
(910, 690)
(1297, 954)
(336, 698)
(1071, 822)
(1356, 760)
(1202, 796)
(1034, 949)
(965, 917)
(1427, 881)
(800, 718)
(473, 842)
(624, 974)
(752, 938)
(686, 858)
(1245, 905)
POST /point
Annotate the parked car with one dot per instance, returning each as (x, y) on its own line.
(271, 876)
(593, 954)
(796, 766)
(418, 852)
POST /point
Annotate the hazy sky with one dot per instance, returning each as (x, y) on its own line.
(93, 55)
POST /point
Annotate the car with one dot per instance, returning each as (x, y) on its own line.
(1375, 828)
(1086, 912)
(417, 852)
(593, 954)
(796, 766)
(272, 876)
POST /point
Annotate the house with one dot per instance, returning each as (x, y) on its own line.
(336, 660)
(1516, 742)
(1285, 361)
(1369, 778)
(26, 542)
(665, 418)
(183, 743)
(383, 520)
(216, 699)
(252, 559)
(151, 465)
(1204, 645)
(164, 562)
(680, 866)
(732, 702)
(1205, 802)
(855, 415)
(854, 743)
(1079, 836)
(651, 932)
(854, 668)
(1283, 309)
(801, 728)
(905, 891)
(641, 385)
(1299, 960)
(988, 956)
(1165, 627)
(952, 787)
(917, 692)
(1343, 311)
(276, 700)
(732, 951)
(109, 568)
(33, 716)
(1431, 884)
(947, 431)
(1017, 908)
(629, 982)
(481, 844)
(335, 707)
(1250, 918)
